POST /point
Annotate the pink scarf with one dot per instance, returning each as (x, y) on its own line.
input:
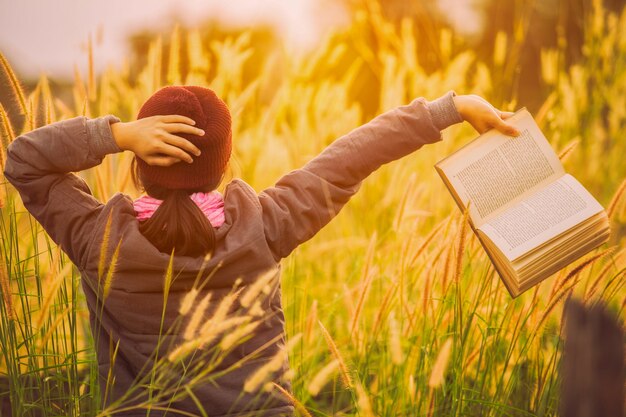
(211, 204)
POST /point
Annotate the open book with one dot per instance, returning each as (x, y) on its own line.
(530, 216)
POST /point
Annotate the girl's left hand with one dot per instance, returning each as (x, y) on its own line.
(152, 138)
(482, 115)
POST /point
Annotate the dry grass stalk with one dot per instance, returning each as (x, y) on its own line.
(204, 337)
(361, 302)
(188, 300)
(348, 299)
(564, 289)
(426, 293)
(297, 404)
(274, 364)
(363, 401)
(220, 312)
(441, 364)
(446, 269)
(6, 134)
(7, 297)
(78, 90)
(321, 378)
(210, 332)
(33, 102)
(617, 197)
(461, 248)
(239, 333)
(596, 282)
(196, 317)
(18, 92)
(345, 374)
(105, 245)
(260, 285)
(568, 149)
(108, 280)
(383, 307)
(46, 94)
(52, 289)
(55, 324)
(395, 345)
(411, 388)
(2, 178)
(579, 268)
(310, 321)
(425, 243)
(366, 277)
(555, 300)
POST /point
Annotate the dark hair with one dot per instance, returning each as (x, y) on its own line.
(178, 222)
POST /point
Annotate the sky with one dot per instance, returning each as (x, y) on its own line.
(51, 35)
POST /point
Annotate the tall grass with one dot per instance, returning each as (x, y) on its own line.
(415, 319)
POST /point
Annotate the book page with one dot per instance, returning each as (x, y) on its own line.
(497, 170)
(541, 216)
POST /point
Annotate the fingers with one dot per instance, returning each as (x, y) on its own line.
(175, 152)
(506, 114)
(183, 128)
(177, 118)
(505, 128)
(181, 143)
(161, 160)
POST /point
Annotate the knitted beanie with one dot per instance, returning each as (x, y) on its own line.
(211, 115)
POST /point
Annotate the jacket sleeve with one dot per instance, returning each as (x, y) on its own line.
(40, 164)
(305, 200)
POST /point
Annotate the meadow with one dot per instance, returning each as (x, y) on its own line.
(396, 307)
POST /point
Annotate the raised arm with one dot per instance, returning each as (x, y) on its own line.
(305, 200)
(40, 164)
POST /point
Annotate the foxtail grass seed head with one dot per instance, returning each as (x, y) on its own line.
(617, 197)
(188, 301)
(567, 150)
(441, 364)
(259, 286)
(277, 362)
(239, 333)
(212, 328)
(363, 401)
(411, 388)
(183, 350)
(297, 404)
(395, 346)
(108, 280)
(345, 374)
(322, 377)
(104, 247)
(256, 309)
(6, 292)
(196, 317)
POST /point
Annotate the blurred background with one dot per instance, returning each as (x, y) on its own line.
(52, 37)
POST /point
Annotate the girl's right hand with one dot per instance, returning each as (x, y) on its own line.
(482, 115)
(151, 138)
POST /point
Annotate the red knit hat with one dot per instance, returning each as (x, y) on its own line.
(211, 115)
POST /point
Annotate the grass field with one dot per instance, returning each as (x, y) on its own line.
(421, 323)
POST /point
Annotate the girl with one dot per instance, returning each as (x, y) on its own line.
(140, 314)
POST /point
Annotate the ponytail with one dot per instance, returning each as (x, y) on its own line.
(178, 223)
